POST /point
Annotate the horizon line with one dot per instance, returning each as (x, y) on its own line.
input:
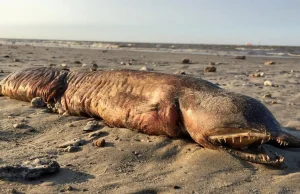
(142, 42)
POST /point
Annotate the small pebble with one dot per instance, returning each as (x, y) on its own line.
(90, 126)
(268, 83)
(73, 142)
(267, 95)
(180, 72)
(71, 149)
(19, 125)
(69, 188)
(95, 134)
(64, 66)
(240, 57)
(99, 143)
(255, 75)
(77, 62)
(185, 61)
(71, 125)
(269, 63)
(37, 102)
(146, 69)
(210, 69)
(94, 67)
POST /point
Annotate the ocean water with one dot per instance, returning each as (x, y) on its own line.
(206, 49)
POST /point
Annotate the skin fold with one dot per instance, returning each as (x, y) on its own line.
(157, 104)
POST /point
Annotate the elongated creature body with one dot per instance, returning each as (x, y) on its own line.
(157, 104)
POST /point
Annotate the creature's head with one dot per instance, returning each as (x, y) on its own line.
(231, 121)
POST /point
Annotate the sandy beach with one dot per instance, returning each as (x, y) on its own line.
(132, 162)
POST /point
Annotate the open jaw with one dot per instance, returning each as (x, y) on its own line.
(247, 146)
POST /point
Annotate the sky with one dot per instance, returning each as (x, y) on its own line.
(265, 22)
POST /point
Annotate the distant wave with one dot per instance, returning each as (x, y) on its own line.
(278, 54)
(254, 49)
(294, 55)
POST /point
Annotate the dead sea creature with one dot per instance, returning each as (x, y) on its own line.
(158, 104)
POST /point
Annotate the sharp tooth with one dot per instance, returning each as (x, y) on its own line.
(241, 139)
(281, 142)
(262, 141)
(287, 143)
(219, 140)
(225, 140)
(249, 137)
(281, 159)
(269, 138)
(268, 158)
(233, 140)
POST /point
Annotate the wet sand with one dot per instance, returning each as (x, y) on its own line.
(133, 162)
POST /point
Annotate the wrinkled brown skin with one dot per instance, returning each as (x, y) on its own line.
(152, 103)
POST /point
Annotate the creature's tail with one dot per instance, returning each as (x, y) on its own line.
(47, 83)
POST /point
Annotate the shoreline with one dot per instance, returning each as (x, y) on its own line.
(236, 50)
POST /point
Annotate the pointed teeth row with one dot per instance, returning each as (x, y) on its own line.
(282, 143)
(264, 157)
(239, 138)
